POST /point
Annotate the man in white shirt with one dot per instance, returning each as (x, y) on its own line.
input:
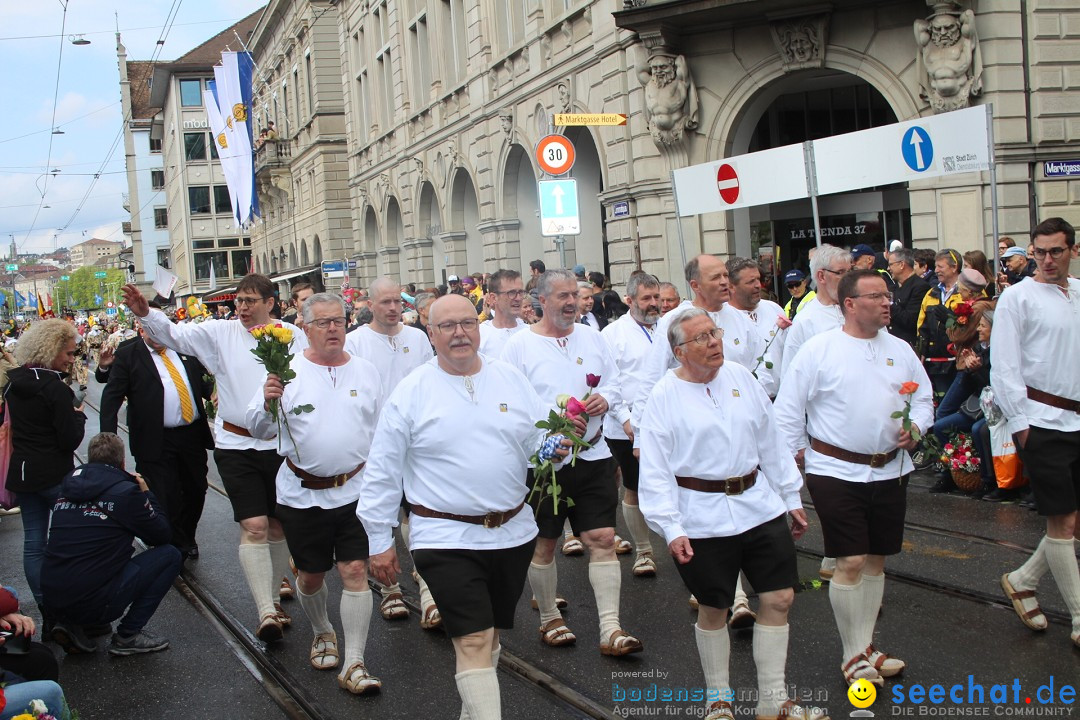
(325, 448)
(857, 465)
(630, 339)
(561, 356)
(472, 540)
(506, 294)
(1033, 350)
(722, 513)
(764, 316)
(669, 298)
(828, 264)
(248, 466)
(395, 350)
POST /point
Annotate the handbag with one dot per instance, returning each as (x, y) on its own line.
(7, 498)
(972, 407)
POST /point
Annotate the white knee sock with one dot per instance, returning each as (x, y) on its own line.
(740, 593)
(479, 690)
(606, 581)
(639, 530)
(405, 529)
(315, 608)
(1028, 575)
(259, 571)
(355, 621)
(714, 649)
(770, 659)
(279, 557)
(873, 590)
(391, 589)
(543, 579)
(495, 657)
(847, 606)
(1062, 560)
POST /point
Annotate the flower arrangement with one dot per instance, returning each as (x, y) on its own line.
(559, 425)
(782, 323)
(960, 454)
(272, 344)
(36, 711)
(959, 315)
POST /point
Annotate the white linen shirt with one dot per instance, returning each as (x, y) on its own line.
(332, 439)
(395, 356)
(763, 321)
(1036, 342)
(842, 390)
(557, 366)
(682, 429)
(224, 348)
(426, 443)
(813, 319)
(630, 344)
(493, 339)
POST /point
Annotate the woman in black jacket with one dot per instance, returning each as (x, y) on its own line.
(47, 426)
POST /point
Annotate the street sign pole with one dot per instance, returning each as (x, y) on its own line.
(682, 240)
(993, 183)
(811, 185)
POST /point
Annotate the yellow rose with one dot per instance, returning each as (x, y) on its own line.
(257, 333)
(284, 335)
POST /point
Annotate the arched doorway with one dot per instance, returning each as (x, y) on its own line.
(590, 247)
(316, 254)
(463, 236)
(431, 254)
(520, 202)
(390, 252)
(304, 259)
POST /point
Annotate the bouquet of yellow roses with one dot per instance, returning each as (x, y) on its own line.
(272, 344)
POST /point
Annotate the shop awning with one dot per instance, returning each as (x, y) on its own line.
(294, 273)
(224, 295)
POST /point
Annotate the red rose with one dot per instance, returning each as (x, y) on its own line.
(909, 388)
(591, 380)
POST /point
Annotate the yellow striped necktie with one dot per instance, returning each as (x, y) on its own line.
(187, 410)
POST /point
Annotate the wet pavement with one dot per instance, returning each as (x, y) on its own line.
(944, 613)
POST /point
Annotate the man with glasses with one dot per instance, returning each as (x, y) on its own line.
(560, 356)
(325, 450)
(395, 350)
(506, 296)
(247, 465)
(908, 297)
(797, 284)
(1033, 350)
(857, 463)
(723, 513)
(828, 265)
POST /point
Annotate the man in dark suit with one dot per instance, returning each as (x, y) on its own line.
(586, 305)
(167, 427)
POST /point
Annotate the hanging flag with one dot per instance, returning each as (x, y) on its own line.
(224, 137)
(32, 300)
(213, 276)
(98, 300)
(40, 306)
(233, 90)
(20, 299)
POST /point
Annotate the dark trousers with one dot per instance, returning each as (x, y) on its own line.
(38, 664)
(178, 481)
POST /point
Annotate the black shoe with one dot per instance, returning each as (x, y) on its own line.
(72, 639)
(192, 553)
(97, 630)
(944, 485)
(1001, 495)
(983, 490)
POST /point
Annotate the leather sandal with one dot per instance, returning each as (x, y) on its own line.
(393, 607)
(283, 617)
(286, 592)
(644, 565)
(432, 618)
(720, 710)
(790, 711)
(358, 681)
(742, 617)
(554, 633)
(572, 546)
(1076, 638)
(886, 665)
(560, 603)
(269, 628)
(694, 605)
(623, 547)
(1033, 618)
(859, 668)
(621, 643)
(324, 651)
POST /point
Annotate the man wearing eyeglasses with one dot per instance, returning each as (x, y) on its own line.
(828, 265)
(1033, 351)
(506, 295)
(723, 512)
(395, 350)
(247, 465)
(857, 463)
(908, 297)
(557, 355)
(331, 406)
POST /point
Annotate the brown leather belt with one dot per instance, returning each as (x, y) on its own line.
(491, 520)
(317, 482)
(1053, 400)
(731, 486)
(235, 429)
(877, 460)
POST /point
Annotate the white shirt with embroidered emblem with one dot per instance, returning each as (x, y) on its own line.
(1036, 342)
(173, 414)
(558, 366)
(738, 348)
(813, 319)
(224, 348)
(682, 429)
(630, 344)
(426, 443)
(767, 334)
(843, 390)
(493, 339)
(395, 356)
(333, 438)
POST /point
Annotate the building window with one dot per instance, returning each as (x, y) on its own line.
(202, 265)
(155, 145)
(222, 201)
(285, 107)
(195, 146)
(157, 179)
(161, 217)
(421, 65)
(199, 199)
(453, 39)
(191, 93)
(310, 84)
(385, 73)
(296, 88)
(510, 20)
(163, 259)
(241, 262)
(361, 99)
(213, 147)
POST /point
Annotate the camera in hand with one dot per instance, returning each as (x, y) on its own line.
(14, 643)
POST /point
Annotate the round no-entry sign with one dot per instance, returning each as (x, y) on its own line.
(727, 182)
(555, 154)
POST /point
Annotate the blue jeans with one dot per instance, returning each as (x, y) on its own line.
(36, 513)
(20, 695)
(958, 392)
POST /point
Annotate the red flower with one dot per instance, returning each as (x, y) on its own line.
(909, 388)
(591, 380)
(963, 310)
(574, 408)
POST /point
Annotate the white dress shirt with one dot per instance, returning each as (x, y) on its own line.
(1036, 342)
(493, 339)
(767, 334)
(224, 348)
(682, 429)
(395, 356)
(458, 445)
(173, 415)
(843, 390)
(630, 344)
(813, 319)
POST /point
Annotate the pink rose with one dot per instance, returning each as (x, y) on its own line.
(574, 408)
(782, 322)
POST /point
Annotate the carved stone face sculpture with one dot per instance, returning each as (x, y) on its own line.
(507, 121)
(564, 96)
(802, 45)
(663, 69)
(945, 30)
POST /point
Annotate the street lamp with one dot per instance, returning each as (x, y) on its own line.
(78, 39)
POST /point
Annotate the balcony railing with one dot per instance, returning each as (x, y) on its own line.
(272, 154)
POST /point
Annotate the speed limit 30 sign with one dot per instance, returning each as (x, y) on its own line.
(555, 154)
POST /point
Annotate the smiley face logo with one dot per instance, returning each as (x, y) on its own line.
(862, 693)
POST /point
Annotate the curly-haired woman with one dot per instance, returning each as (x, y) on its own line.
(47, 426)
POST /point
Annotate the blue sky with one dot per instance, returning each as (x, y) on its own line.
(86, 107)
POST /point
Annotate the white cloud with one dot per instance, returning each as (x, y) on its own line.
(69, 106)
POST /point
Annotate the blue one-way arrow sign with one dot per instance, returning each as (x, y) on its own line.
(559, 208)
